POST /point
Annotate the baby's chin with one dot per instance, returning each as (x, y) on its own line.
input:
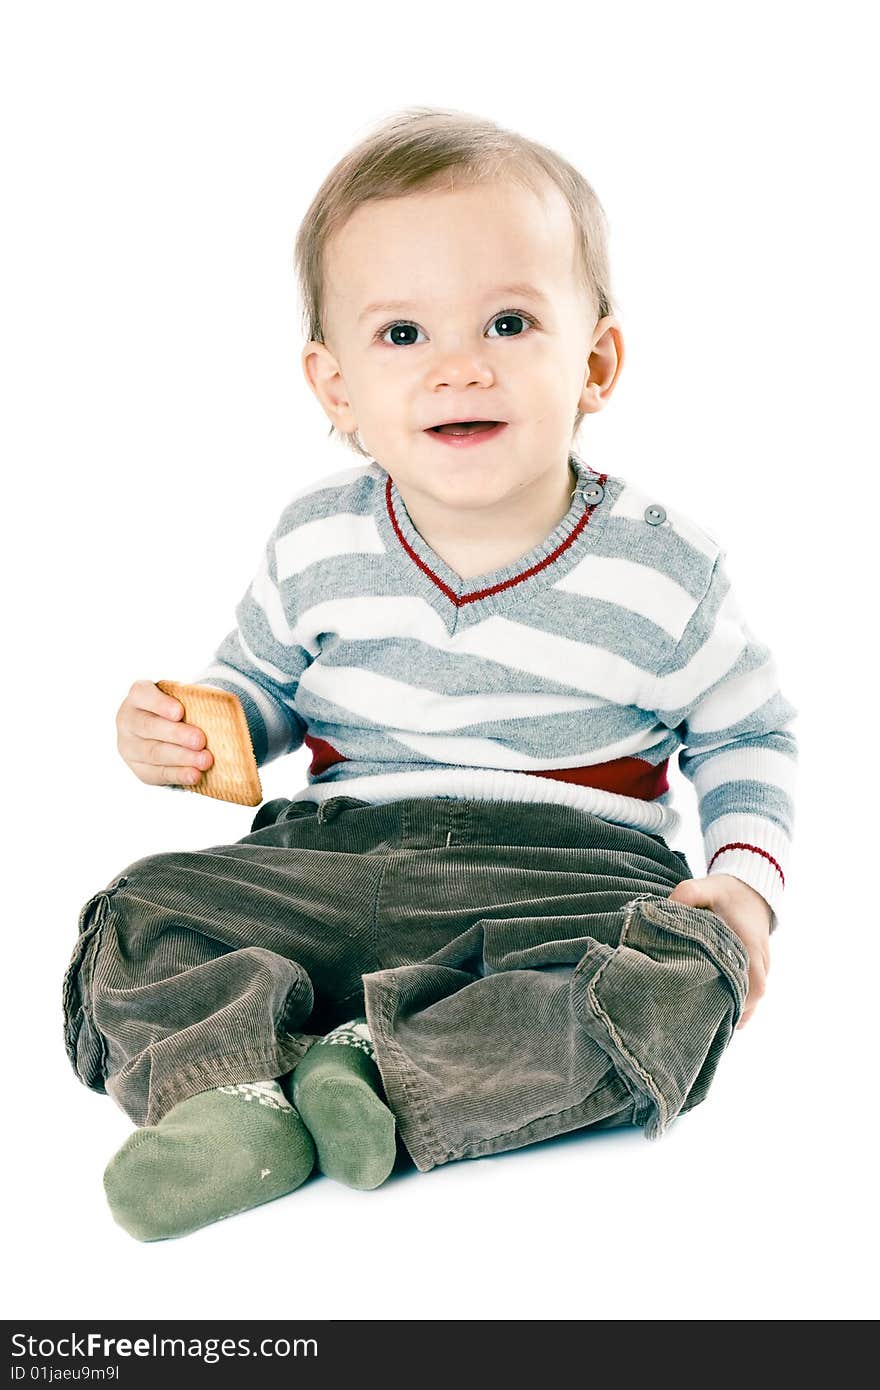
(460, 485)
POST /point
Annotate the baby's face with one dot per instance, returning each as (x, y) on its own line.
(459, 305)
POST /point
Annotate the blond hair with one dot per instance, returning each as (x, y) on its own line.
(411, 150)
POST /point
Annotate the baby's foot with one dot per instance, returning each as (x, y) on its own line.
(216, 1154)
(337, 1089)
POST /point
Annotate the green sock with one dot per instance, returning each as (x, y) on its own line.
(216, 1154)
(337, 1089)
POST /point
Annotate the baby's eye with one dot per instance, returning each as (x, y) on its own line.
(398, 329)
(508, 321)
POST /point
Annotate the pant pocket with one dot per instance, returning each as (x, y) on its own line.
(663, 1003)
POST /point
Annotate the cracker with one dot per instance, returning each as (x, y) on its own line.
(233, 775)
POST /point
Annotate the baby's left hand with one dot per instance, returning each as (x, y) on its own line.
(746, 913)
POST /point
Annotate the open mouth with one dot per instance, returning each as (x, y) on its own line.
(464, 427)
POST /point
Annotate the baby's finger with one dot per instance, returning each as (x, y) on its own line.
(158, 753)
(165, 775)
(146, 695)
(159, 729)
(757, 988)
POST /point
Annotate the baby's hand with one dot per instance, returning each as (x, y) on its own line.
(157, 747)
(746, 913)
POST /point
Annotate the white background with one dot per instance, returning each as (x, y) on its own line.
(157, 160)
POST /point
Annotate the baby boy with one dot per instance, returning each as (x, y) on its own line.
(468, 932)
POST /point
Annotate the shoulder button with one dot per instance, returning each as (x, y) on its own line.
(593, 493)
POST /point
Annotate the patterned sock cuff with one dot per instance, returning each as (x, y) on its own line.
(353, 1034)
(267, 1093)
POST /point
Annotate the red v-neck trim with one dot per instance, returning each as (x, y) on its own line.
(460, 599)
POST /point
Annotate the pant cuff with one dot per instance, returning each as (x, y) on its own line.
(608, 1105)
(206, 1073)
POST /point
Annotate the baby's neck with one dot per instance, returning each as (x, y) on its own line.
(497, 540)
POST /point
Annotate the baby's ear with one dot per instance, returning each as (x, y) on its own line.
(324, 379)
(605, 363)
(314, 362)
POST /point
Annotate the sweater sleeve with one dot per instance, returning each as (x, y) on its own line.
(261, 660)
(720, 694)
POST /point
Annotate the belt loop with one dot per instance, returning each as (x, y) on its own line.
(330, 808)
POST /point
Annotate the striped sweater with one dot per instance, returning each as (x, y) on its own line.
(571, 675)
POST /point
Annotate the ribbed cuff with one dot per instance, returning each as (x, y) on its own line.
(759, 873)
(753, 849)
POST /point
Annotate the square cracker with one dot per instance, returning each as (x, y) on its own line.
(233, 775)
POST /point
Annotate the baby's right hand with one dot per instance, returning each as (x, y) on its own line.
(158, 748)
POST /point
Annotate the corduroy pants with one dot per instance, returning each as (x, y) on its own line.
(520, 967)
